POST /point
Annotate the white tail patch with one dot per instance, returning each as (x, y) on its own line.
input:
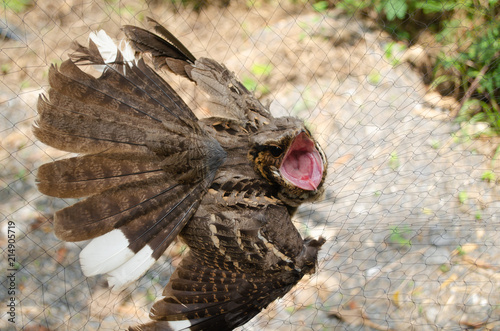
(180, 325)
(105, 44)
(108, 48)
(175, 325)
(132, 269)
(105, 253)
(127, 51)
(109, 254)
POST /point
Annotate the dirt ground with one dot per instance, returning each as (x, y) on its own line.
(411, 218)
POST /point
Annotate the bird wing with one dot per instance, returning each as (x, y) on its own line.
(144, 167)
(241, 259)
(228, 97)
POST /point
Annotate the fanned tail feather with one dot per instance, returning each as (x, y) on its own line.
(113, 208)
(86, 175)
(140, 242)
(136, 135)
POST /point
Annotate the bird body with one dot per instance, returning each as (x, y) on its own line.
(152, 172)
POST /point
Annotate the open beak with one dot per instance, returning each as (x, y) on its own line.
(302, 165)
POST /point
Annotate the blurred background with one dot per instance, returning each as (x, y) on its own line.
(402, 95)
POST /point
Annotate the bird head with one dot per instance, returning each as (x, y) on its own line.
(288, 157)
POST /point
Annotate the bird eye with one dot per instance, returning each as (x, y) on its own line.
(275, 150)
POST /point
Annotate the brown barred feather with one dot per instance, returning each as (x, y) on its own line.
(86, 175)
(167, 52)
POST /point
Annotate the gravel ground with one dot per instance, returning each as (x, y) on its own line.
(413, 235)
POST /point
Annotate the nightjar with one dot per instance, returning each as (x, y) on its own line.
(151, 171)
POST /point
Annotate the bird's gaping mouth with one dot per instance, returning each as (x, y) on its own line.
(302, 165)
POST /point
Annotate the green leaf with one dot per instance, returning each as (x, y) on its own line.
(320, 6)
(16, 6)
(395, 8)
(249, 83)
(261, 69)
(462, 197)
(431, 7)
(488, 176)
(399, 235)
(394, 162)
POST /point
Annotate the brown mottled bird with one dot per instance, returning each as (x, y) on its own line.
(151, 171)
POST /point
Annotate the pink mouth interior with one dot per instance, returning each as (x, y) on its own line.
(302, 165)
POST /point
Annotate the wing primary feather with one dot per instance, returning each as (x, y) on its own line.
(145, 41)
(172, 39)
(169, 52)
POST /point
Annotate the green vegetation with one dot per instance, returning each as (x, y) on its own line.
(320, 6)
(460, 251)
(20, 175)
(466, 34)
(478, 68)
(17, 6)
(261, 69)
(150, 295)
(249, 82)
(24, 84)
(488, 176)
(394, 162)
(391, 50)
(444, 268)
(435, 144)
(5, 68)
(374, 77)
(462, 197)
(478, 216)
(258, 71)
(399, 235)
